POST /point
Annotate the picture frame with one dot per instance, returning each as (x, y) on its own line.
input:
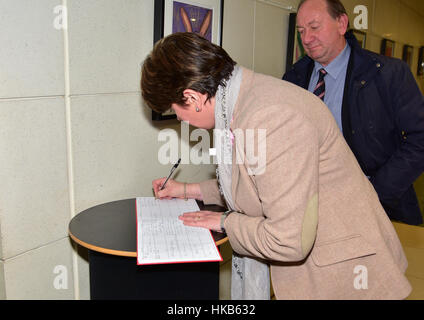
(387, 48)
(361, 37)
(420, 69)
(295, 50)
(407, 54)
(204, 17)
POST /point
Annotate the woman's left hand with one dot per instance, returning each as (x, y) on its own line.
(205, 219)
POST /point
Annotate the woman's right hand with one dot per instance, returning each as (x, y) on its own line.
(173, 189)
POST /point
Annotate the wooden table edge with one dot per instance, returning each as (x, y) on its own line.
(221, 241)
(103, 250)
(121, 253)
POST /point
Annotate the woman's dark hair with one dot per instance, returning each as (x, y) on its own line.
(335, 8)
(183, 61)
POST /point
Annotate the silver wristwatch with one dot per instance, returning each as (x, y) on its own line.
(223, 217)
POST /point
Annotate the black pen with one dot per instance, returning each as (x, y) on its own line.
(170, 174)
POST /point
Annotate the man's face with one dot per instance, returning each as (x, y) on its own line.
(322, 36)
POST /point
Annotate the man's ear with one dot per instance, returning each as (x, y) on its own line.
(343, 22)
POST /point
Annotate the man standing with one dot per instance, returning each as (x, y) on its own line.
(374, 99)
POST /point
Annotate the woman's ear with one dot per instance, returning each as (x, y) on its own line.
(196, 99)
(191, 97)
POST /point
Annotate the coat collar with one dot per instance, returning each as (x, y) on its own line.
(303, 71)
(245, 86)
(238, 115)
(365, 63)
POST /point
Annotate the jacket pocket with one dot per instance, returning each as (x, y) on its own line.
(340, 250)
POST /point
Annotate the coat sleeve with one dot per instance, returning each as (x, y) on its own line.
(211, 194)
(287, 187)
(394, 178)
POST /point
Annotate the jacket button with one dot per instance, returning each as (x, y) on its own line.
(378, 65)
(363, 82)
(353, 131)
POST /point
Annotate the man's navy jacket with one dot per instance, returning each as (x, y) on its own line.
(383, 123)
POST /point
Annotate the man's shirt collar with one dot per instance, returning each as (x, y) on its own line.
(337, 65)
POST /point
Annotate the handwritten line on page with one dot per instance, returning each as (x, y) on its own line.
(163, 238)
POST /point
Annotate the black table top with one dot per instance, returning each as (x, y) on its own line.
(111, 228)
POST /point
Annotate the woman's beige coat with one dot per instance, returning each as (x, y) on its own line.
(308, 209)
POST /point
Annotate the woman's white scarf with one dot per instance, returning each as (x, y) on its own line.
(249, 277)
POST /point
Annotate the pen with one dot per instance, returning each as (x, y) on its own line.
(170, 174)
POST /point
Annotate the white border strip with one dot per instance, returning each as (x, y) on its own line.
(69, 147)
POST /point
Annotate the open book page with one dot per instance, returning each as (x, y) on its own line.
(163, 238)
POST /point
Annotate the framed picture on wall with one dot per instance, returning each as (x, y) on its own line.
(204, 17)
(387, 48)
(420, 71)
(407, 54)
(295, 50)
(361, 37)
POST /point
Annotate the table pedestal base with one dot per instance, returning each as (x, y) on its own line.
(116, 277)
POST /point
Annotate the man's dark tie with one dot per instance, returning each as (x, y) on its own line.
(320, 88)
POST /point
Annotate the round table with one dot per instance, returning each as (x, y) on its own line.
(109, 231)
